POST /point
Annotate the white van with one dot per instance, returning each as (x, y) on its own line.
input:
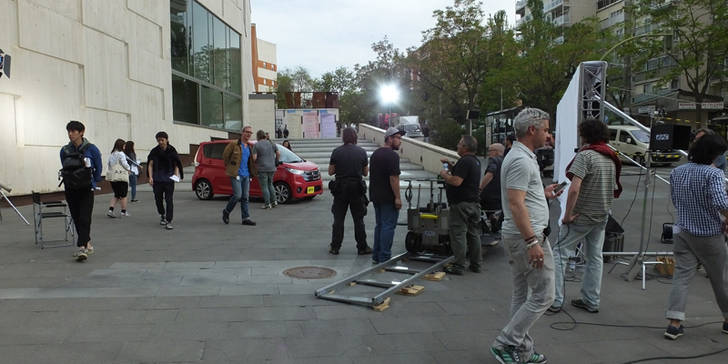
(633, 142)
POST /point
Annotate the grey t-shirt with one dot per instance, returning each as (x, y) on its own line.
(520, 172)
(597, 172)
(266, 156)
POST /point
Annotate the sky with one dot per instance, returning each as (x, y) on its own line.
(323, 35)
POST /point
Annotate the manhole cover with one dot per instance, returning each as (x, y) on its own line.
(309, 272)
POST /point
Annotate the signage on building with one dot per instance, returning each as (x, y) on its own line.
(704, 105)
(646, 109)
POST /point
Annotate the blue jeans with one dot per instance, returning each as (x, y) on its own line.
(132, 184)
(266, 185)
(386, 219)
(241, 192)
(593, 237)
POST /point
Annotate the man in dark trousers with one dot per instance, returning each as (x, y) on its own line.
(81, 162)
(164, 169)
(349, 164)
(384, 193)
(461, 186)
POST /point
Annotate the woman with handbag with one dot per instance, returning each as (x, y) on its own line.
(118, 175)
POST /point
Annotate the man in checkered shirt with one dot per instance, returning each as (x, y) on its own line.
(698, 192)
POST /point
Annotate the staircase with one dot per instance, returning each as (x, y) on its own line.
(319, 151)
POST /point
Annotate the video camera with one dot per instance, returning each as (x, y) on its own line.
(4, 64)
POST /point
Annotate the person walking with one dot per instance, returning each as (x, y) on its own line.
(131, 158)
(385, 194)
(525, 239)
(239, 166)
(490, 194)
(266, 156)
(594, 174)
(118, 175)
(349, 164)
(698, 193)
(81, 170)
(164, 169)
(461, 187)
(285, 131)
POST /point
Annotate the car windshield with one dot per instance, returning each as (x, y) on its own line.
(287, 156)
(641, 135)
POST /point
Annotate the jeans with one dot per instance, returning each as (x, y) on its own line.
(533, 293)
(133, 184)
(266, 185)
(593, 237)
(164, 192)
(350, 198)
(386, 219)
(241, 192)
(464, 227)
(712, 252)
(81, 205)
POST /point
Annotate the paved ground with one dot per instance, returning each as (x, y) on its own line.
(213, 293)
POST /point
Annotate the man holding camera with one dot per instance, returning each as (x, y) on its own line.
(594, 175)
(525, 230)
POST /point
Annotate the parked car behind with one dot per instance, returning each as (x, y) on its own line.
(411, 130)
(294, 179)
(633, 142)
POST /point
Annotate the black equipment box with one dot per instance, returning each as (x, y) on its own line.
(613, 238)
(665, 137)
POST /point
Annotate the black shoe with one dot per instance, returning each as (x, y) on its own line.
(134, 200)
(583, 305)
(249, 222)
(474, 268)
(334, 251)
(225, 216)
(365, 251)
(554, 309)
(451, 269)
(673, 332)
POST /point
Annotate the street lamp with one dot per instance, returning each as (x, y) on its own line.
(389, 94)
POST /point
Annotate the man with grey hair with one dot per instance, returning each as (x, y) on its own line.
(526, 219)
(461, 186)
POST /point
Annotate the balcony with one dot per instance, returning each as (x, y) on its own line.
(611, 21)
(552, 5)
(561, 20)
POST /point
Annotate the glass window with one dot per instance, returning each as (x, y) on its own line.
(178, 19)
(184, 100)
(235, 74)
(233, 112)
(219, 53)
(612, 134)
(641, 135)
(200, 42)
(287, 156)
(623, 136)
(211, 105)
(213, 150)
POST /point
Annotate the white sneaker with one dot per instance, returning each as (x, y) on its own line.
(265, 206)
(275, 203)
(168, 226)
(81, 254)
(110, 214)
(125, 213)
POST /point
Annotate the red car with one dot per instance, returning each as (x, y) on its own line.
(294, 179)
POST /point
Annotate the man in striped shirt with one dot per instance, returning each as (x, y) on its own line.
(594, 181)
(698, 192)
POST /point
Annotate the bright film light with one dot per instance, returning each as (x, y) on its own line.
(389, 94)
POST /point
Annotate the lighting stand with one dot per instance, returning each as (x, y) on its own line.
(13, 206)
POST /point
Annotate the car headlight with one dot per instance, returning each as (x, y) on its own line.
(295, 171)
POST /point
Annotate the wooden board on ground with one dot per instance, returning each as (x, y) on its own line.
(382, 306)
(412, 290)
(437, 276)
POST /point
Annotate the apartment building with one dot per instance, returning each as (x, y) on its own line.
(265, 67)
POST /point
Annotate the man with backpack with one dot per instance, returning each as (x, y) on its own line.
(82, 168)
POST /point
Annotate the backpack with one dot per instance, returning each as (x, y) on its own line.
(75, 175)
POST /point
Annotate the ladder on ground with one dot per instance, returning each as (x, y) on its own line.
(395, 275)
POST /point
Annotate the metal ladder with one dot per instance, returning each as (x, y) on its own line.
(418, 265)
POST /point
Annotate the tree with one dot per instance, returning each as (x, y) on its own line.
(698, 48)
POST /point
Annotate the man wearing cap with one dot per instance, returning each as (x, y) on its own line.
(461, 185)
(384, 193)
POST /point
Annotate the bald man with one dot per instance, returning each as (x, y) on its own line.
(490, 196)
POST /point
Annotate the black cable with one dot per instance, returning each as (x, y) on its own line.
(637, 188)
(677, 357)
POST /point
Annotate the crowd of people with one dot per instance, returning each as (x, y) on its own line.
(512, 182)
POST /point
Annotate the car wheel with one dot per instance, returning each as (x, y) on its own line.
(283, 192)
(203, 190)
(639, 158)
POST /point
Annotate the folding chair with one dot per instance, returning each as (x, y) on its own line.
(50, 210)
